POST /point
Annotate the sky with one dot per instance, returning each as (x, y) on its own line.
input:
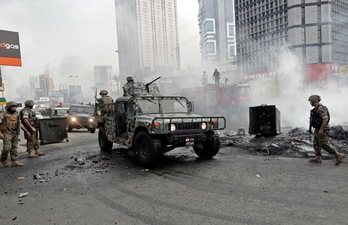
(70, 37)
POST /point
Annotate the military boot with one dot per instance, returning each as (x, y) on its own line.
(39, 153)
(31, 154)
(16, 164)
(316, 159)
(5, 163)
(339, 158)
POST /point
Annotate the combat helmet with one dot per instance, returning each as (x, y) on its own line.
(103, 92)
(314, 98)
(10, 104)
(130, 78)
(29, 103)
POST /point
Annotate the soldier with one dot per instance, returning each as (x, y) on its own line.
(9, 126)
(216, 77)
(319, 120)
(204, 79)
(128, 88)
(104, 101)
(31, 123)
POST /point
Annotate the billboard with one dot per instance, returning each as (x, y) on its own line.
(10, 54)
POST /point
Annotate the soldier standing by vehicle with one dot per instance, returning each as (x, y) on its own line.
(10, 127)
(128, 88)
(104, 101)
(319, 120)
(31, 123)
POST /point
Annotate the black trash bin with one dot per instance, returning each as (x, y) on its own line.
(264, 120)
(53, 130)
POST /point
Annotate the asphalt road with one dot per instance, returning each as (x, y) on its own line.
(81, 185)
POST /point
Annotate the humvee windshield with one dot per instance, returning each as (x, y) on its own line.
(152, 106)
(82, 109)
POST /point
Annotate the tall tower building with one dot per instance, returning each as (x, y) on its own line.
(316, 31)
(147, 35)
(46, 84)
(216, 19)
(103, 77)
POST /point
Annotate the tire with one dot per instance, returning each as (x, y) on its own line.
(104, 144)
(92, 130)
(148, 151)
(209, 148)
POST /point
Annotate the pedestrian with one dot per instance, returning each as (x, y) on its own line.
(104, 103)
(31, 123)
(60, 105)
(216, 77)
(204, 79)
(10, 126)
(128, 88)
(319, 120)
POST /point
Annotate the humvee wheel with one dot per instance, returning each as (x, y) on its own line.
(92, 130)
(147, 150)
(208, 148)
(104, 143)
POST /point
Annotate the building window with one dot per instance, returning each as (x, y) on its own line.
(231, 51)
(230, 30)
(209, 26)
(210, 47)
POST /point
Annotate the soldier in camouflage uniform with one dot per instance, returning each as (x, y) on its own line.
(319, 120)
(128, 88)
(31, 123)
(104, 102)
(9, 126)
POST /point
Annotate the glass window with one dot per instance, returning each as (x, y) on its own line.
(209, 26)
(210, 47)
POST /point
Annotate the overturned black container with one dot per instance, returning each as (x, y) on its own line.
(264, 120)
(53, 129)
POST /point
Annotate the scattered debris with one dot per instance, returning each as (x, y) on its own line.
(20, 178)
(100, 171)
(258, 175)
(21, 195)
(37, 177)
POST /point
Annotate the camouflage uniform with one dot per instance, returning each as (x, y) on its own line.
(33, 140)
(9, 126)
(322, 140)
(128, 88)
(103, 104)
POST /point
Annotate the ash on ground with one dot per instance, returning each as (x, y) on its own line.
(292, 142)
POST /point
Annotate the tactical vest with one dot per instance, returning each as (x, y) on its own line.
(106, 101)
(315, 118)
(9, 122)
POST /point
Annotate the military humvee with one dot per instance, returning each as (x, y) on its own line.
(150, 124)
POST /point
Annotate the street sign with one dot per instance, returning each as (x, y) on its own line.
(2, 101)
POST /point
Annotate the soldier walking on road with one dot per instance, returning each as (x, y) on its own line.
(31, 123)
(319, 120)
(216, 77)
(10, 127)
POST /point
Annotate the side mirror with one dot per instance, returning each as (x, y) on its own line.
(190, 106)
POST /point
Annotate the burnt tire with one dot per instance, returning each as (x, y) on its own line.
(208, 148)
(148, 151)
(104, 144)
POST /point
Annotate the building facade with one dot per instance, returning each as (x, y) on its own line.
(316, 31)
(147, 35)
(216, 20)
(103, 78)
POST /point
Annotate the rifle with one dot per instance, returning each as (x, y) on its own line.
(148, 84)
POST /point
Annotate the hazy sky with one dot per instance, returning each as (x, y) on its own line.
(70, 37)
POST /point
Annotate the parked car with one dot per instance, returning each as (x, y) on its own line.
(81, 116)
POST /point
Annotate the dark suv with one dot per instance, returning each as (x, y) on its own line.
(81, 116)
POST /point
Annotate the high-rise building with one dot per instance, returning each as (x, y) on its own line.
(216, 19)
(147, 36)
(46, 84)
(316, 31)
(103, 77)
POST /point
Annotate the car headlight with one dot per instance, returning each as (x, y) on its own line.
(172, 127)
(73, 119)
(90, 119)
(204, 126)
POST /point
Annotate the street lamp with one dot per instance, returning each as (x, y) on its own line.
(74, 78)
